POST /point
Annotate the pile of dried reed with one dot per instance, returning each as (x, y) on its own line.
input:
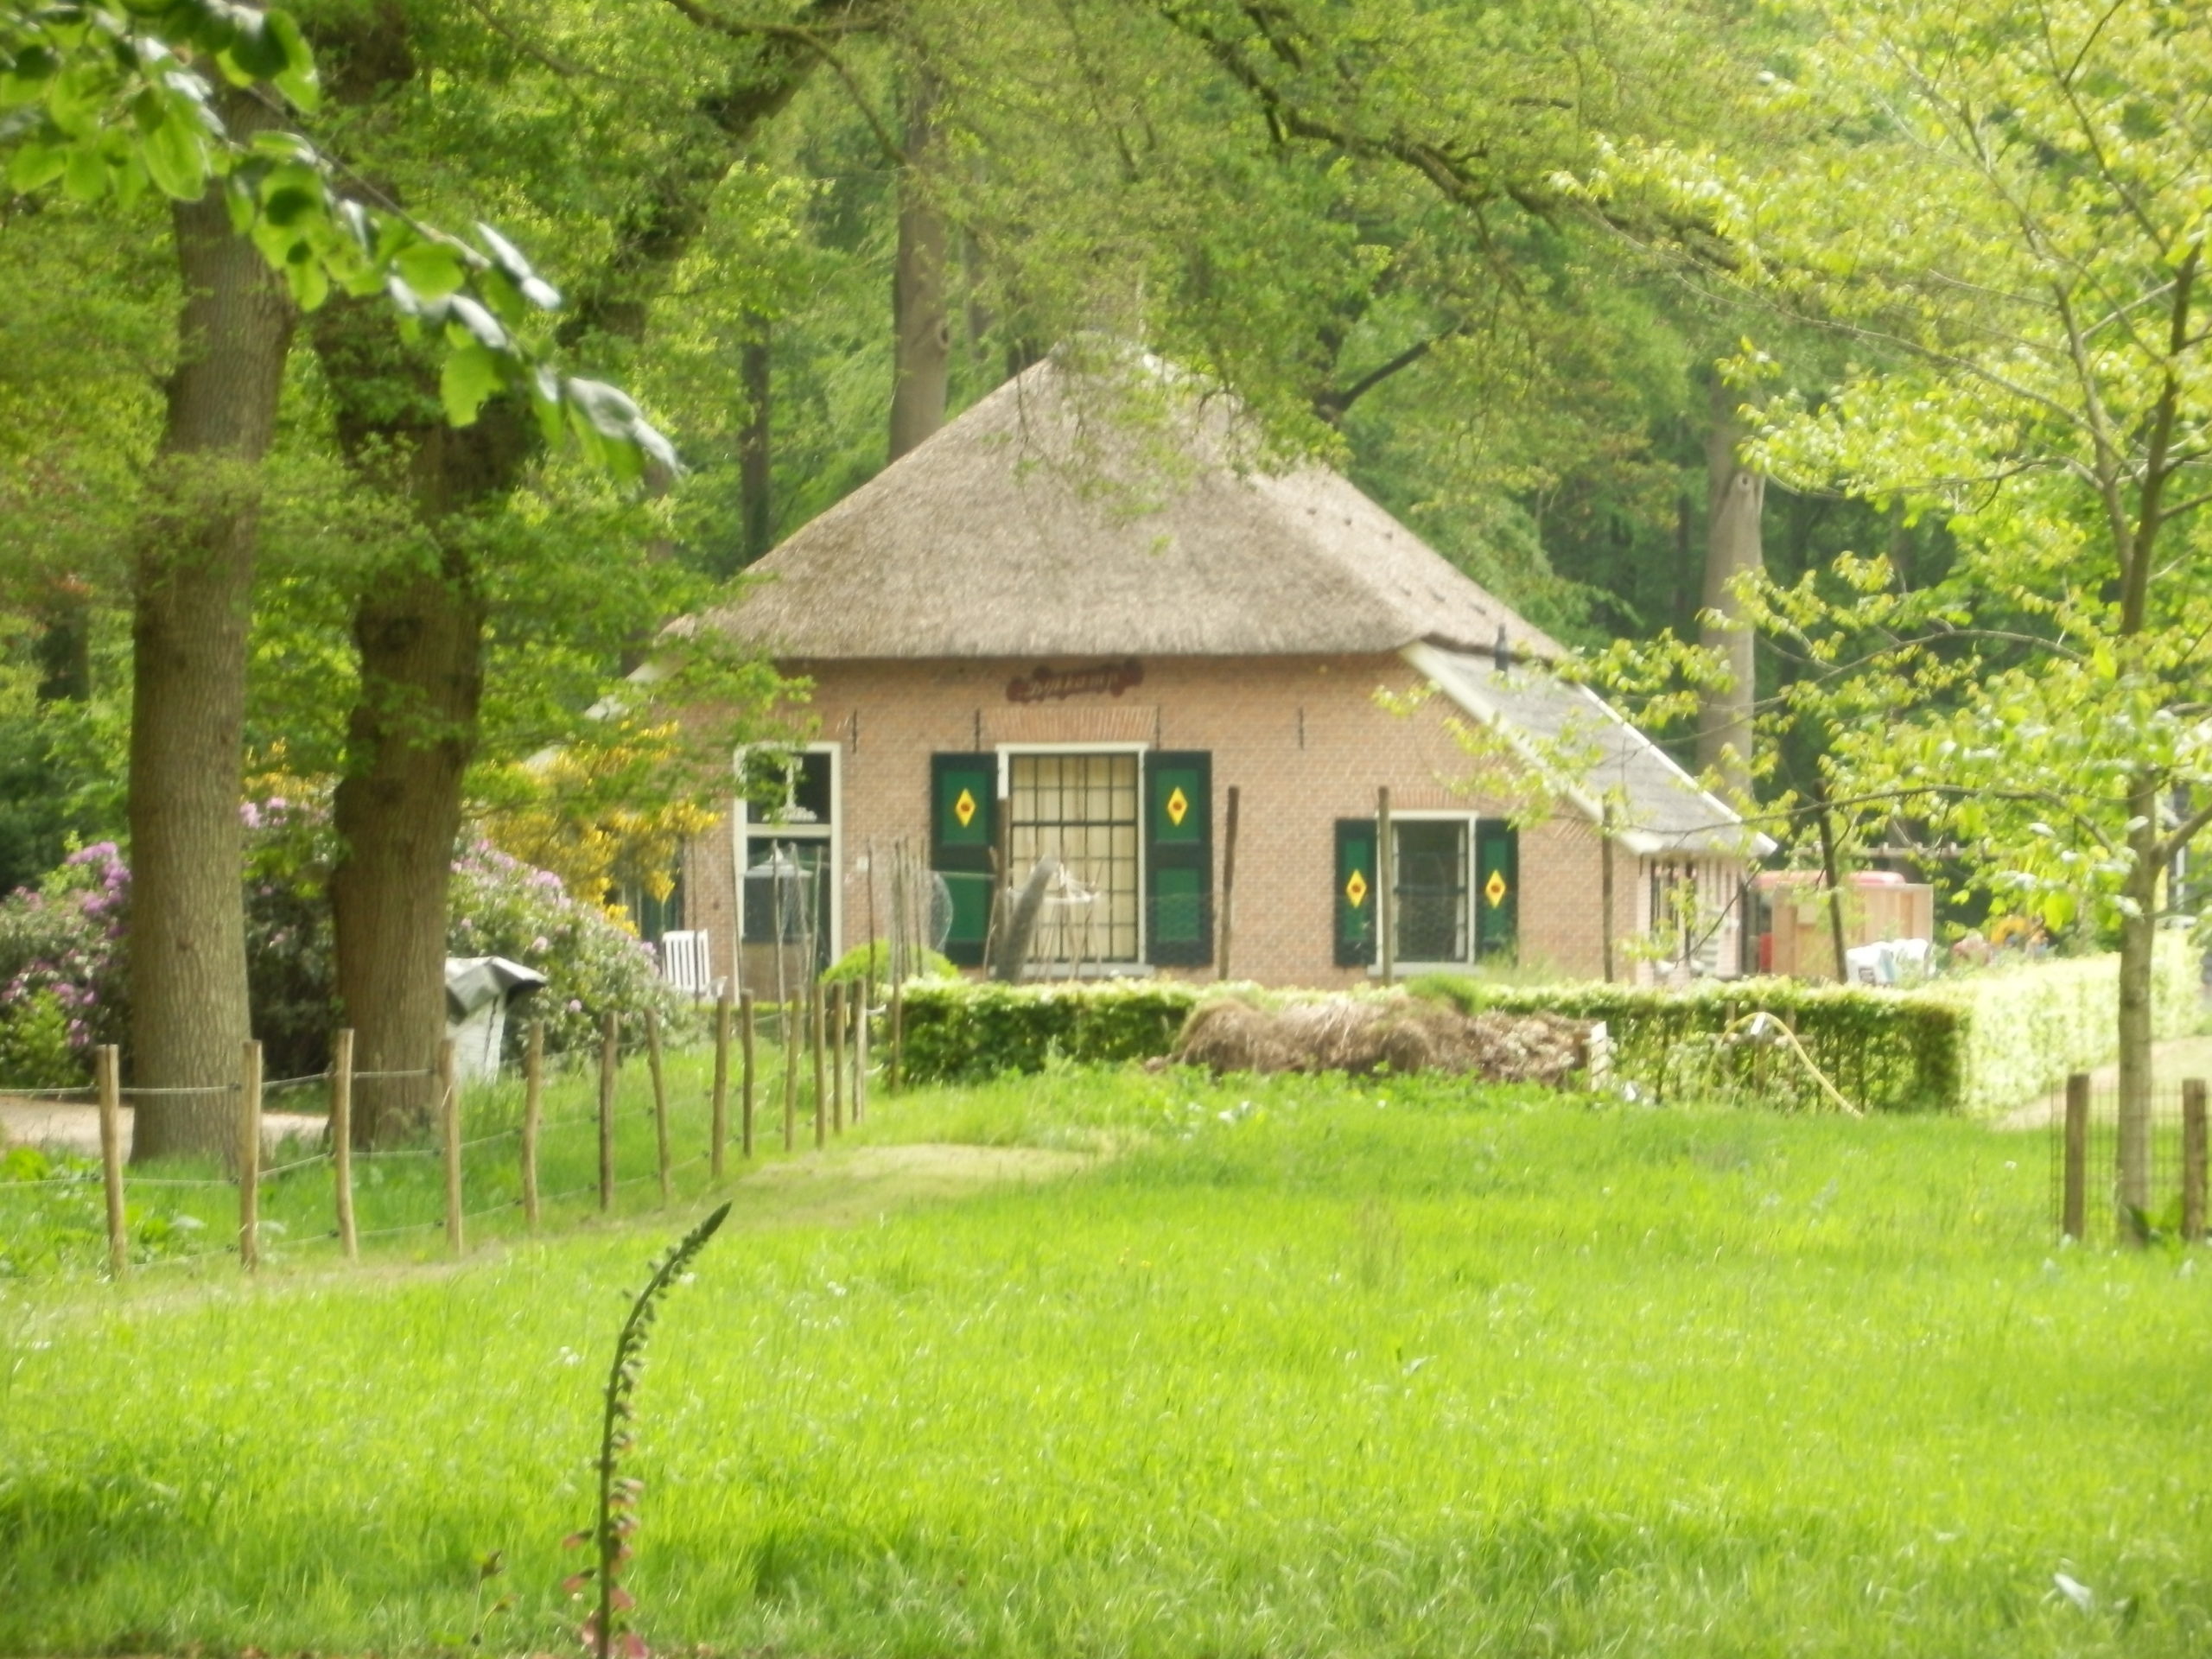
(1399, 1034)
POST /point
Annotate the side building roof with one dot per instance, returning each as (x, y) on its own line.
(1583, 747)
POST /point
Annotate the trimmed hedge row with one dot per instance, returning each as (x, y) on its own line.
(1977, 1044)
(965, 1031)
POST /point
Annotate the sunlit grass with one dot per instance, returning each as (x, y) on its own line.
(1301, 1368)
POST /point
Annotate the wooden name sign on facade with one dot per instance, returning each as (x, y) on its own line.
(1043, 684)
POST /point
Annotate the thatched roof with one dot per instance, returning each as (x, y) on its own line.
(1034, 526)
(1592, 755)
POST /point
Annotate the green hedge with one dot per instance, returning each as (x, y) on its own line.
(965, 1031)
(1977, 1044)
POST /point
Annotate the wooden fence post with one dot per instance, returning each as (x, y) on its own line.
(449, 1122)
(249, 1155)
(342, 1139)
(107, 1066)
(814, 1000)
(2192, 1159)
(859, 1059)
(533, 1105)
(786, 1014)
(2073, 1199)
(718, 1125)
(746, 1074)
(837, 1056)
(896, 1078)
(660, 1101)
(610, 1035)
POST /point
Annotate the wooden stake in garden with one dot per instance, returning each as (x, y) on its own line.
(249, 1155)
(859, 1061)
(610, 1035)
(342, 1139)
(718, 1114)
(660, 1100)
(449, 1122)
(745, 1075)
(2192, 1159)
(107, 1068)
(814, 1048)
(786, 1016)
(837, 1058)
(897, 1078)
(533, 1105)
(2074, 1192)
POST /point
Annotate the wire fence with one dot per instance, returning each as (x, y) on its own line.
(489, 1154)
(2093, 1198)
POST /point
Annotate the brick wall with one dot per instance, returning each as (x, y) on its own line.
(1303, 740)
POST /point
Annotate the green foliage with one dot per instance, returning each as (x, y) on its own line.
(34, 1048)
(872, 962)
(56, 1209)
(967, 1030)
(108, 98)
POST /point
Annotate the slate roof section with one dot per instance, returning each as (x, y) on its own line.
(1577, 740)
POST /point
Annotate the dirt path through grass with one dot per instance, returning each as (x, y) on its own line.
(66, 1125)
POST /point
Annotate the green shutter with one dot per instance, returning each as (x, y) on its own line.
(1497, 888)
(1358, 894)
(963, 824)
(1179, 858)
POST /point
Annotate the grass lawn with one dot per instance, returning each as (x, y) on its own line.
(1302, 1368)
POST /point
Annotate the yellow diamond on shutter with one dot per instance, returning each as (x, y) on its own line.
(1356, 889)
(1494, 889)
(1178, 807)
(964, 809)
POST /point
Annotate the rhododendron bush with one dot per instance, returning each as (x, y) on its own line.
(62, 950)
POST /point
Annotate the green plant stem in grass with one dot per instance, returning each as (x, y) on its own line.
(617, 1519)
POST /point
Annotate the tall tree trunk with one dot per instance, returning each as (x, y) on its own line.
(397, 813)
(2139, 937)
(921, 321)
(1737, 498)
(418, 626)
(420, 631)
(192, 602)
(755, 454)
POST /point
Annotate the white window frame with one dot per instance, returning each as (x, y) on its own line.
(1436, 815)
(1006, 751)
(742, 823)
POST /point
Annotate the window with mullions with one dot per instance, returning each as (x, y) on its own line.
(789, 817)
(1429, 920)
(1083, 810)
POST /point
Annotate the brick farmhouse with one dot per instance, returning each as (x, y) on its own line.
(1047, 635)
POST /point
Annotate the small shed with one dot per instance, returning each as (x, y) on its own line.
(479, 992)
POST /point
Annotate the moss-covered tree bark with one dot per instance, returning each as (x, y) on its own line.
(192, 602)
